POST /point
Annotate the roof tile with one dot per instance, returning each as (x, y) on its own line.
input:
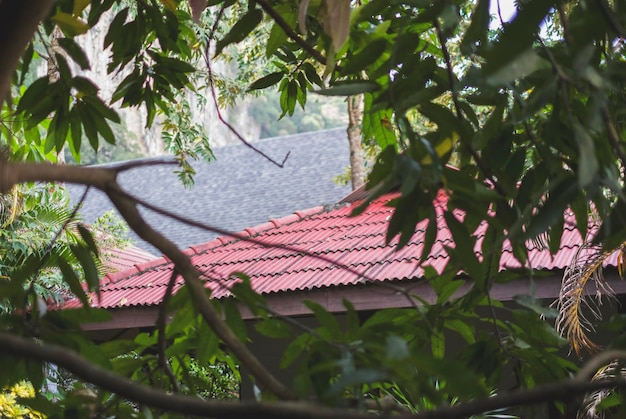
(343, 250)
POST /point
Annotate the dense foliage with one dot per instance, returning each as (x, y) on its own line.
(515, 121)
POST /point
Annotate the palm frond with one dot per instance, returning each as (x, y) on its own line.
(574, 304)
(589, 407)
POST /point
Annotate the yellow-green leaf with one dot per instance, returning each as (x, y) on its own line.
(70, 24)
(79, 6)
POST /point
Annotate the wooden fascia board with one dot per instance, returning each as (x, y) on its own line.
(365, 297)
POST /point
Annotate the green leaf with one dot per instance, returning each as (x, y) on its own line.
(273, 328)
(115, 32)
(85, 257)
(349, 88)
(552, 211)
(464, 250)
(71, 279)
(429, 237)
(234, 320)
(88, 238)
(587, 161)
(267, 81)
(240, 30)
(295, 349)
(326, 319)
(378, 125)
(33, 94)
(89, 125)
(74, 51)
(311, 74)
(396, 348)
(277, 35)
(524, 64)
(363, 58)
(71, 25)
(518, 36)
(461, 326)
(476, 34)
(101, 124)
(208, 345)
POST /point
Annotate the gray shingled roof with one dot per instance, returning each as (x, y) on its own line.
(239, 189)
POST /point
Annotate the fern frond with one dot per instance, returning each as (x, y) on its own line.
(572, 322)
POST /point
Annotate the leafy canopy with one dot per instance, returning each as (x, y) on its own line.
(515, 125)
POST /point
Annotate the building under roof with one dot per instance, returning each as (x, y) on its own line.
(240, 188)
(325, 255)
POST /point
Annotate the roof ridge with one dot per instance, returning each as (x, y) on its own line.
(253, 231)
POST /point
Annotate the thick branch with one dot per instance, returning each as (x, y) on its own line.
(105, 180)
(129, 211)
(14, 173)
(110, 381)
(18, 23)
(105, 379)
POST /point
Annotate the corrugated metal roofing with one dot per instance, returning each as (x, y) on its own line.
(356, 242)
(119, 259)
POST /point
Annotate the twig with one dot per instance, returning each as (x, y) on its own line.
(610, 16)
(564, 22)
(459, 113)
(133, 164)
(613, 136)
(502, 22)
(48, 250)
(290, 32)
(161, 321)
(588, 370)
(554, 62)
(207, 60)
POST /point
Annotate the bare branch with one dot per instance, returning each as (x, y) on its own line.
(133, 164)
(613, 136)
(459, 113)
(587, 372)
(110, 381)
(207, 60)
(105, 180)
(107, 380)
(129, 211)
(161, 322)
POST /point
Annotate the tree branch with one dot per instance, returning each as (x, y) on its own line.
(107, 380)
(105, 180)
(613, 136)
(110, 381)
(459, 113)
(161, 323)
(129, 211)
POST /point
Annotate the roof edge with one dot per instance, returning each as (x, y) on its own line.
(217, 242)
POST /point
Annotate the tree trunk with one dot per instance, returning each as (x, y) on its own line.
(355, 119)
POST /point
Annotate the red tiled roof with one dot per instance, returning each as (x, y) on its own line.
(120, 259)
(357, 242)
